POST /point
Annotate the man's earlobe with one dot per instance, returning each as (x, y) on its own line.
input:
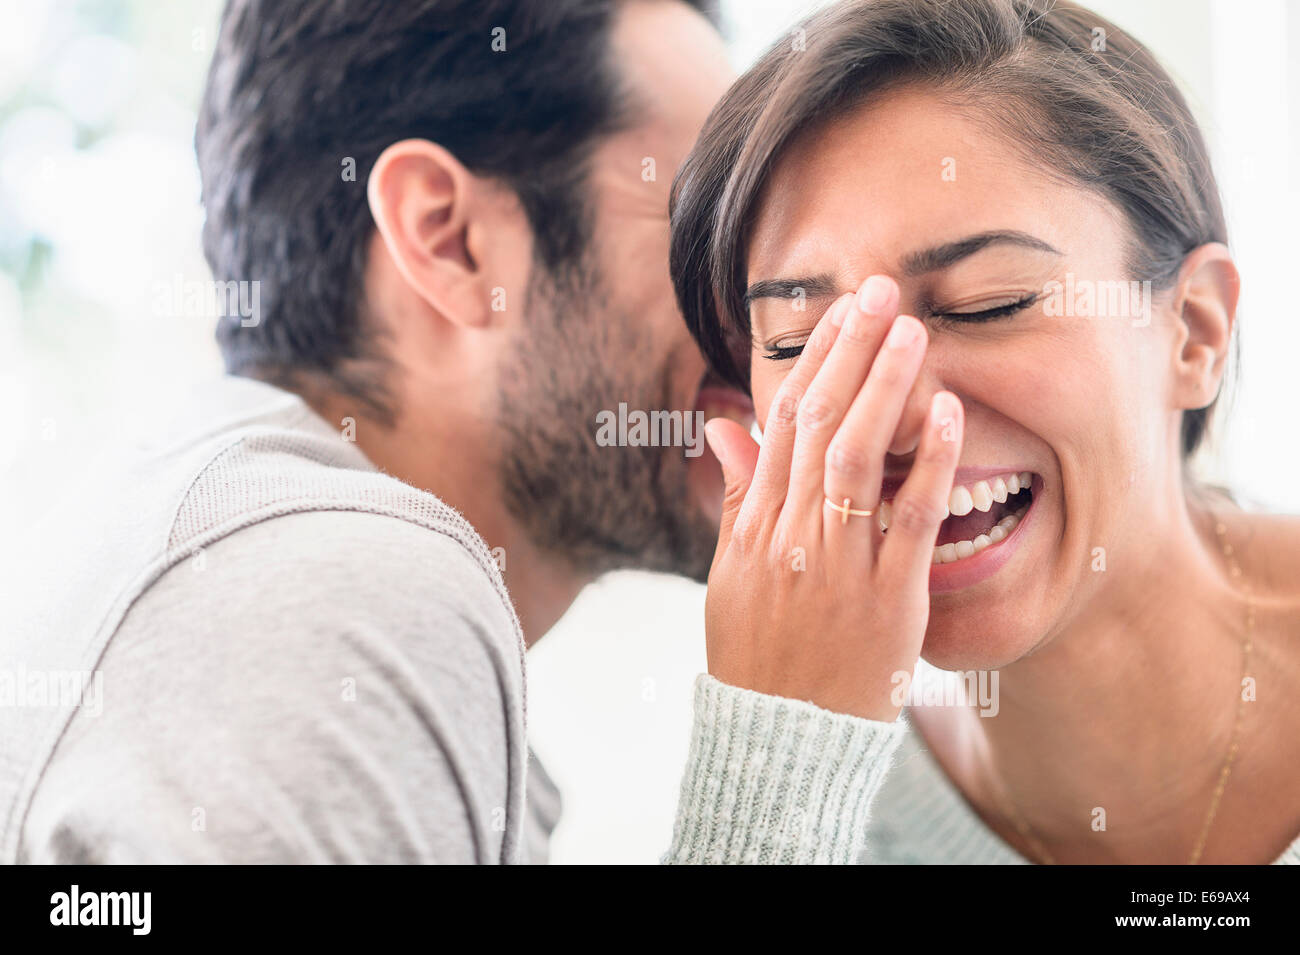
(423, 203)
(1207, 292)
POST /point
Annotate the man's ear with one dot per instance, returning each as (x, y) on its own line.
(1206, 298)
(422, 200)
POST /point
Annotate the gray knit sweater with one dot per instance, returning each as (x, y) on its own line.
(240, 642)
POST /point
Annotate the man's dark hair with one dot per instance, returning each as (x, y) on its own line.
(301, 90)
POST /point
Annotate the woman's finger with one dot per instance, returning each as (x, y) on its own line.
(855, 459)
(772, 475)
(737, 455)
(921, 504)
(833, 389)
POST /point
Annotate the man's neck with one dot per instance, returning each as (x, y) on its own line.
(432, 454)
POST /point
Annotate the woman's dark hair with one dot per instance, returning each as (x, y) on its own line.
(1087, 99)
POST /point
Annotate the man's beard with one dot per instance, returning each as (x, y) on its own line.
(600, 508)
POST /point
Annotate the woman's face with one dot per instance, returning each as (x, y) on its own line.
(1073, 387)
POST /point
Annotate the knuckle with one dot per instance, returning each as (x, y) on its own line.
(734, 498)
(848, 460)
(891, 373)
(815, 413)
(821, 340)
(785, 410)
(745, 534)
(913, 514)
(856, 329)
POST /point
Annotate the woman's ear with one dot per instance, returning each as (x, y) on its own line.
(423, 200)
(1206, 300)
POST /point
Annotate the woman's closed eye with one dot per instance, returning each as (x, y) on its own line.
(790, 348)
(984, 314)
(780, 352)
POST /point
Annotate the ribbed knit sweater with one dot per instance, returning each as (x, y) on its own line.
(240, 642)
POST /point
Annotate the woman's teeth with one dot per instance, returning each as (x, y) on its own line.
(980, 496)
(947, 553)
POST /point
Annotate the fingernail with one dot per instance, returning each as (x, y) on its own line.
(944, 408)
(874, 293)
(904, 332)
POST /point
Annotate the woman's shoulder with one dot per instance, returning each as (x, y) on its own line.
(1269, 552)
(1283, 528)
(1265, 544)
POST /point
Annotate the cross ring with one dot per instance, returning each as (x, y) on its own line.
(845, 511)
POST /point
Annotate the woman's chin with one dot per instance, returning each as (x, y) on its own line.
(982, 608)
(955, 644)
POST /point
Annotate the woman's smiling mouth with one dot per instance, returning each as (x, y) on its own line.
(979, 534)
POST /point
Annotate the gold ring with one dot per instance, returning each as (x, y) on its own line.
(845, 511)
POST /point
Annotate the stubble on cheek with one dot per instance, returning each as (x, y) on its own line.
(599, 507)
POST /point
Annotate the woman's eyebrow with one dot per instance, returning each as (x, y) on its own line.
(814, 286)
(915, 263)
(941, 256)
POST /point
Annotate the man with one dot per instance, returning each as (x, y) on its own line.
(304, 606)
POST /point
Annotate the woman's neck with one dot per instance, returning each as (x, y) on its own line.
(1129, 709)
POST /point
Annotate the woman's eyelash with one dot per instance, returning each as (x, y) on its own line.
(782, 352)
(786, 352)
(987, 314)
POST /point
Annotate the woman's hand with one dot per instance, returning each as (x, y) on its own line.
(801, 603)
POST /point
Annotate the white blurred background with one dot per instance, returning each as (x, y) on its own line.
(99, 212)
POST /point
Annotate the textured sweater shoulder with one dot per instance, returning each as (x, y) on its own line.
(240, 642)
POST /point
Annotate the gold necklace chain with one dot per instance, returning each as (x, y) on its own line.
(1247, 646)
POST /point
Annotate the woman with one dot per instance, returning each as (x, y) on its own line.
(1000, 482)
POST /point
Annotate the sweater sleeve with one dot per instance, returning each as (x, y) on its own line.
(329, 687)
(775, 780)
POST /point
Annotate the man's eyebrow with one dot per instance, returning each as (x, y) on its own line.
(813, 286)
(942, 256)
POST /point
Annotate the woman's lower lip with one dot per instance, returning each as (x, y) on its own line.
(971, 570)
